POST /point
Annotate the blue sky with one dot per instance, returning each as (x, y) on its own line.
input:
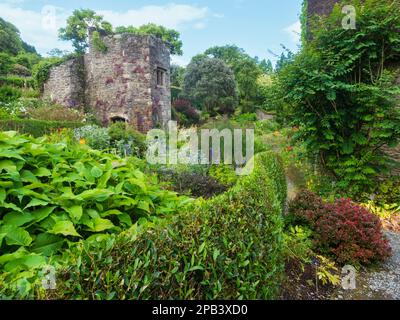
(255, 25)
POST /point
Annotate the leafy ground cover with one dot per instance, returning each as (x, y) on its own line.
(53, 194)
(214, 249)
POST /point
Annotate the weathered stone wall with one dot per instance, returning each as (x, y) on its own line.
(321, 7)
(65, 84)
(161, 94)
(120, 83)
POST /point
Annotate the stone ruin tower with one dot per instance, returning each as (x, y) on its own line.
(129, 81)
(320, 7)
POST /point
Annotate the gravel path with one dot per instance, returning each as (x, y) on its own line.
(381, 284)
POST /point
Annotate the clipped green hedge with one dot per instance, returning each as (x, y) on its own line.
(36, 128)
(16, 81)
(229, 247)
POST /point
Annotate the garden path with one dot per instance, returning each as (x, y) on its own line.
(379, 283)
(382, 283)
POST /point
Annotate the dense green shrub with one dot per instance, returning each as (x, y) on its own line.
(388, 191)
(341, 92)
(94, 136)
(41, 71)
(246, 118)
(224, 174)
(298, 244)
(14, 81)
(9, 94)
(28, 60)
(36, 128)
(195, 184)
(20, 70)
(50, 112)
(5, 63)
(229, 247)
(52, 194)
(344, 230)
(210, 84)
(127, 140)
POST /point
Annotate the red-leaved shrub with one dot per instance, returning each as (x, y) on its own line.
(185, 107)
(344, 229)
(306, 208)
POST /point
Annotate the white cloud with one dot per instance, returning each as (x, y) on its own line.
(171, 15)
(179, 60)
(218, 15)
(199, 25)
(14, 1)
(294, 30)
(37, 28)
(40, 28)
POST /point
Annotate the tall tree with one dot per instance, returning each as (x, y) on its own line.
(177, 75)
(10, 40)
(171, 36)
(266, 66)
(211, 85)
(77, 29)
(246, 70)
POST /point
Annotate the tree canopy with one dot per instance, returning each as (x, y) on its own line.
(170, 36)
(10, 40)
(211, 85)
(78, 25)
(247, 71)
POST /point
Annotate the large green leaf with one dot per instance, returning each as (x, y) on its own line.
(65, 228)
(10, 154)
(28, 176)
(14, 255)
(125, 219)
(2, 235)
(36, 203)
(47, 244)
(96, 172)
(99, 195)
(10, 206)
(29, 261)
(42, 213)
(100, 224)
(8, 166)
(16, 235)
(3, 195)
(17, 219)
(42, 172)
(75, 212)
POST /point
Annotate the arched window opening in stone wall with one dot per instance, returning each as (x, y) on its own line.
(118, 119)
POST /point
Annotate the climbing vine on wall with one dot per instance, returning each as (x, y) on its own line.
(304, 20)
(98, 42)
(41, 71)
(341, 92)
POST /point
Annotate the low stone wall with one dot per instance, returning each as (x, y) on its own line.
(65, 84)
